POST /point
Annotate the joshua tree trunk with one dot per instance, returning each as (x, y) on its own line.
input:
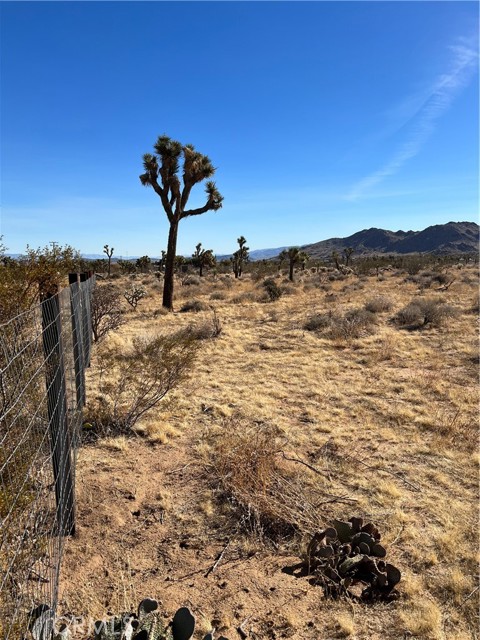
(291, 270)
(170, 265)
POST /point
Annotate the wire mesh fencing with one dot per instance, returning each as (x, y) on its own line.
(43, 355)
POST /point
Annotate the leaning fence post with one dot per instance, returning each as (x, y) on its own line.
(57, 412)
(75, 305)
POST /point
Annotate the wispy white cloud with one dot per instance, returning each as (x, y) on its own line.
(463, 63)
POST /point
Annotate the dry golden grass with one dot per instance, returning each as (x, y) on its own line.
(390, 417)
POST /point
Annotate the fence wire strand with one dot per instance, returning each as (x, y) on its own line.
(43, 354)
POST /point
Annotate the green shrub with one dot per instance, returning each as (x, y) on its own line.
(272, 289)
(318, 322)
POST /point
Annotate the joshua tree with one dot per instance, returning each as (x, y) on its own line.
(161, 173)
(335, 258)
(143, 264)
(109, 253)
(294, 256)
(303, 258)
(348, 255)
(203, 258)
(240, 257)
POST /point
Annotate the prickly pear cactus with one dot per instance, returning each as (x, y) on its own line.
(350, 553)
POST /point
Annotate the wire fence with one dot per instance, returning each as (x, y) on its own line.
(43, 355)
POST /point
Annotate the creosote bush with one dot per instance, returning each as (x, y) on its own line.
(318, 321)
(133, 381)
(106, 311)
(272, 290)
(421, 312)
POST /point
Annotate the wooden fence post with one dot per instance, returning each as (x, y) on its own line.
(57, 412)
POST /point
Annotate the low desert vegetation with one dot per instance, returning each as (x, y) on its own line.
(224, 439)
(421, 312)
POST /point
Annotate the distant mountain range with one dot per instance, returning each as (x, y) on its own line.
(453, 237)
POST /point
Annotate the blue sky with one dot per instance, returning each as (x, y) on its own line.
(323, 118)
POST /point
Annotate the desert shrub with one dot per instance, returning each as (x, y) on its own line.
(288, 289)
(353, 324)
(247, 296)
(134, 295)
(22, 279)
(427, 278)
(133, 381)
(106, 311)
(272, 290)
(378, 304)
(227, 281)
(421, 312)
(191, 280)
(318, 322)
(209, 329)
(218, 295)
(267, 497)
(194, 306)
(475, 306)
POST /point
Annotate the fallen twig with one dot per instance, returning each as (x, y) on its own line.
(469, 596)
(392, 473)
(178, 469)
(241, 630)
(306, 464)
(321, 473)
(218, 559)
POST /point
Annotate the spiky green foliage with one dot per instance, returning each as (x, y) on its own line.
(240, 257)
(294, 256)
(202, 258)
(162, 171)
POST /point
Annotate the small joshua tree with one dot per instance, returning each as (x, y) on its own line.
(109, 254)
(335, 258)
(203, 258)
(294, 256)
(143, 264)
(240, 257)
(348, 251)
